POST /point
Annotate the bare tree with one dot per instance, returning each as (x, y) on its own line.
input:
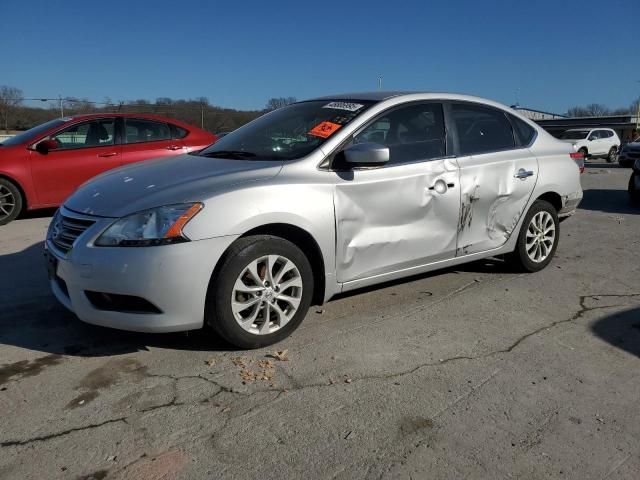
(275, 103)
(577, 112)
(10, 97)
(597, 110)
(591, 110)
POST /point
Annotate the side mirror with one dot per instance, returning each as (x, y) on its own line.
(367, 154)
(44, 146)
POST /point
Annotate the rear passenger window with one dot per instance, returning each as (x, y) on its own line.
(139, 130)
(177, 132)
(524, 132)
(481, 129)
(412, 133)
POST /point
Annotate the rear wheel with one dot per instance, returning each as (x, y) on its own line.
(584, 153)
(538, 238)
(611, 156)
(261, 292)
(10, 201)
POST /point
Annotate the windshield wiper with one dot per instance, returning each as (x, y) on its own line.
(233, 154)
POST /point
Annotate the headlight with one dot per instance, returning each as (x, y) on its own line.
(157, 226)
(636, 165)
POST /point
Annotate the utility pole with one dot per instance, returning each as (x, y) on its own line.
(379, 82)
(638, 113)
(61, 106)
(202, 115)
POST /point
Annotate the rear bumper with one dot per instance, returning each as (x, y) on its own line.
(570, 203)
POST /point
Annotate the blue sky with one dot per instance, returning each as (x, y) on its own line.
(549, 54)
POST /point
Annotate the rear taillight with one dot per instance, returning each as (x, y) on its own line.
(578, 157)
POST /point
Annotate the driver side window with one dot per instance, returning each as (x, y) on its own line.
(413, 133)
(96, 133)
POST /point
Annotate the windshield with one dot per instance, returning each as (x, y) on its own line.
(287, 133)
(32, 133)
(575, 135)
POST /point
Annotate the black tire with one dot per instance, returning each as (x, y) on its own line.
(218, 311)
(625, 163)
(611, 156)
(11, 201)
(519, 258)
(634, 195)
(584, 153)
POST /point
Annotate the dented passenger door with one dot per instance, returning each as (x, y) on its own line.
(403, 214)
(497, 177)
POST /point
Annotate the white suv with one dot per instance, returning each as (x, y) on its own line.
(597, 142)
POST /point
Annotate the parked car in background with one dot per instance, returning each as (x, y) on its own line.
(629, 153)
(300, 205)
(634, 183)
(41, 167)
(595, 142)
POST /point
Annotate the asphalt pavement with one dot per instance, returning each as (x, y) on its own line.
(472, 372)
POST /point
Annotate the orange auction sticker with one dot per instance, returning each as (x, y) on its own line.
(324, 129)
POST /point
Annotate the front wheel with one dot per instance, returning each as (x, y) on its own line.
(611, 156)
(261, 292)
(10, 201)
(538, 238)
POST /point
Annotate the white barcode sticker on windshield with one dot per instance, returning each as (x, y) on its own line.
(352, 107)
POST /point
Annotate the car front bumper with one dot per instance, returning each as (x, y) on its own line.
(172, 278)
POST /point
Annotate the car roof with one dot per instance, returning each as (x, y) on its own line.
(150, 116)
(376, 96)
(380, 96)
(85, 116)
(588, 128)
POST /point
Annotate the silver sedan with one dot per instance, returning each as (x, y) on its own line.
(310, 200)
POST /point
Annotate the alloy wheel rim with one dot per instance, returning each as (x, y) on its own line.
(267, 294)
(7, 202)
(541, 235)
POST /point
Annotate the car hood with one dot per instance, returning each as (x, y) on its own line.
(185, 178)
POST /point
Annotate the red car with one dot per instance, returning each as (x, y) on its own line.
(41, 167)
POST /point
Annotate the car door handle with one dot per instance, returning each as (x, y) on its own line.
(441, 186)
(522, 174)
(110, 154)
(174, 147)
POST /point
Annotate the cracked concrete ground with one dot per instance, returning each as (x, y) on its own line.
(467, 373)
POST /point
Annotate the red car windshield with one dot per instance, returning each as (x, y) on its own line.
(32, 133)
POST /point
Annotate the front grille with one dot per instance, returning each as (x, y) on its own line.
(66, 230)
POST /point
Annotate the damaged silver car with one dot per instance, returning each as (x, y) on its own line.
(313, 199)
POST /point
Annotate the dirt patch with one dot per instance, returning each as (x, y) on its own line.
(411, 425)
(104, 377)
(27, 368)
(160, 467)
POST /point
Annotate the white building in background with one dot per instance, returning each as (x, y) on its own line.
(536, 114)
